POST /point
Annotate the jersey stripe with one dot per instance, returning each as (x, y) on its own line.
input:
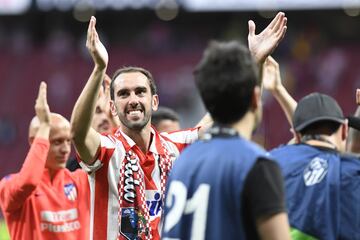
(106, 178)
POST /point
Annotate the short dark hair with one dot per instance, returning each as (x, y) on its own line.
(132, 69)
(226, 77)
(325, 127)
(163, 113)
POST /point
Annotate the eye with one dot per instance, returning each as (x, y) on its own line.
(57, 142)
(123, 93)
(140, 91)
(98, 109)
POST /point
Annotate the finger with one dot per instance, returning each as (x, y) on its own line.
(93, 36)
(92, 28)
(97, 39)
(279, 23)
(276, 20)
(358, 96)
(42, 90)
(282, 26)
(252, 28)
(270, 59)
(284, 31)
(89, 40)
(281, 34)
(91, 24)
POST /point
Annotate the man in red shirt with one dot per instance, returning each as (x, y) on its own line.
(44, 200)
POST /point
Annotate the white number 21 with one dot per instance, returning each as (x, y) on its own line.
(196, 205)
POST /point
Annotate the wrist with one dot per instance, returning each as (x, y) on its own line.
(44, 125)
(100, 68)
(277, 90)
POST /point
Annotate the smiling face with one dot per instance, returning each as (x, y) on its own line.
(133, 101)
(60, 145)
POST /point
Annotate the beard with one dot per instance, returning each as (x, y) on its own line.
(136, 125)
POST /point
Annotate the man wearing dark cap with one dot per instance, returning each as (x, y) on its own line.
(322, 184)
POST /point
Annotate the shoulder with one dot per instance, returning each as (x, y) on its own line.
(350, 162)
(7, 178)
(182, 136)
(78, 175)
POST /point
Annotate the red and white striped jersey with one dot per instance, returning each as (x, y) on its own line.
(105, 177)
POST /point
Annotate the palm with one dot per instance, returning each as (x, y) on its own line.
(100, 54)
(95, 46)
(263, 44)
(269, 79)
(271, 74)
(41, 106)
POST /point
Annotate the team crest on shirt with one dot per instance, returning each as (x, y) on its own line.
(132, 223)
(70, 191)
(315, 171)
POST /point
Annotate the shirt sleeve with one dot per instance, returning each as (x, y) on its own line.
(182, 138)
(263, 193)
(103, 155)
(16, 188)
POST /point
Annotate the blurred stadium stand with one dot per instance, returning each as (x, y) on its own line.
(40, 41)
(319, 53)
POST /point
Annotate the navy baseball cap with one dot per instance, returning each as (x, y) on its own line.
(316, 107)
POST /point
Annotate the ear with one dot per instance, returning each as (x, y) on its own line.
(256, 98)
(113, 108)
(155, 102)
(297, 136)
(344, 130)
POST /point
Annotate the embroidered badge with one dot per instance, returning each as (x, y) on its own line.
(315, 171)
(132, 224)
(70, 191)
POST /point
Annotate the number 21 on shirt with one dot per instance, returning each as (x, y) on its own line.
(197, 205)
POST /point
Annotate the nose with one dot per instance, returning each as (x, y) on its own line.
(66, 147)
(134, 100)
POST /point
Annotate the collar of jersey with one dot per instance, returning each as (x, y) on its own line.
(220, 131)
(155, 145)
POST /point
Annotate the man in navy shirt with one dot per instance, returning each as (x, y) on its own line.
(322, 184)
(224, 187)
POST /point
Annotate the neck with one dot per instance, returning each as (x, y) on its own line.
(245, 126)
(52, 173)
(141, 137)
(323, 141)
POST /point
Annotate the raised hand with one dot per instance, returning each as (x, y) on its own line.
(272, 82)
(271, 75)
(264, 43)
(94, 45)
(41, 106)
(358, 96)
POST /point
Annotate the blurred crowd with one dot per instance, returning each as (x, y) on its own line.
(50, 47)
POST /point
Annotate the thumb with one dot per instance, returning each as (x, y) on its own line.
(251, 28)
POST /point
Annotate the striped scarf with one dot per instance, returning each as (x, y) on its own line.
(133, 215)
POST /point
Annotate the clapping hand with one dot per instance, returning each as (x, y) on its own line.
(264, 43)
(94, 45)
